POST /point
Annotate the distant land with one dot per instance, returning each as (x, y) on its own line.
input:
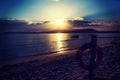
(70, 31)
(84, 31)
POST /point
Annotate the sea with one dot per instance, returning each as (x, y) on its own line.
(20, 45)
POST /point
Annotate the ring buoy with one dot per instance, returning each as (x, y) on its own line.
(98, 55)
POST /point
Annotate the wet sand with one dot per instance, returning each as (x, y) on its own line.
(61, 66)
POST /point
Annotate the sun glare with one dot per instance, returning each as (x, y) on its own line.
(59, 24)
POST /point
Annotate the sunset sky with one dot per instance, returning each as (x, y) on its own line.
(60, 14)
(39, 10)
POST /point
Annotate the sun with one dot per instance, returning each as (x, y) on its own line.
(59, 24)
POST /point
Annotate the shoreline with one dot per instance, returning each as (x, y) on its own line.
(42, 57)
(59, 66)
(45, 56)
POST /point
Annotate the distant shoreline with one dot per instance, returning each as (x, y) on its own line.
(63, 31)
(57, 32)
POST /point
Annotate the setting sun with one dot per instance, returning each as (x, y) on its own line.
(59, 24)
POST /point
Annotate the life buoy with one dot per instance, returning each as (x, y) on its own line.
(98, 55)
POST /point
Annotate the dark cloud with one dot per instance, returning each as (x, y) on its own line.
(79, 23)
(12, 25)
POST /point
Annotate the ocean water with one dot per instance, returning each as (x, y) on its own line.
(17, 46)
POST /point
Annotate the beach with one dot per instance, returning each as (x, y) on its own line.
(60, 66)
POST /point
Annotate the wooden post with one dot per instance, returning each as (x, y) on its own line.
(115, 53)
(92, 58)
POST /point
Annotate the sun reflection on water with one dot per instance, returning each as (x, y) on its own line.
(59, 37)
(59, 42)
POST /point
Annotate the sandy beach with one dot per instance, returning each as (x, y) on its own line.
(61, 66)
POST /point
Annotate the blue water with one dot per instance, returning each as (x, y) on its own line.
(16, 46)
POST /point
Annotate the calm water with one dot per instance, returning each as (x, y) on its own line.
(16, 46)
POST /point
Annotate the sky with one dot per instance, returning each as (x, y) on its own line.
(43, 15)
(48, 10)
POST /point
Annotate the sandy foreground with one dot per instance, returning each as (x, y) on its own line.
(61, 66)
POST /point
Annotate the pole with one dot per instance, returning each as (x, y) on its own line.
(92, 58)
